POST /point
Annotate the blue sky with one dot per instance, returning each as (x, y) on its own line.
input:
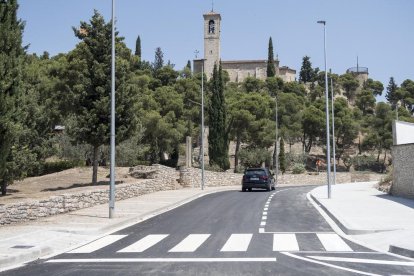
(380, 32)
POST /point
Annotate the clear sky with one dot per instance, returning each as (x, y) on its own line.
(380, 32)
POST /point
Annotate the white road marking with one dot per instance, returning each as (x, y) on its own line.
(144, 243)
(363, 261)
(237, 242)
(159, 260)
(333, 242)
(266, 208)
(190, 243)
(329, 265)
(264, 213)
(98, 244)
(263, 223)
(285, 242)
(261, 230)
(264, 218)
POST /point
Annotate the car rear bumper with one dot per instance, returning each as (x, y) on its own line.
(247, 185)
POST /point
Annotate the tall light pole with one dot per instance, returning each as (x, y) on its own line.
(202, 125)
(333, 130)
(112, 168)
(276, 155)
(328, 146)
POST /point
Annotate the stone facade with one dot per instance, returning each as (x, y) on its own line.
(403, 172)
(238, 70)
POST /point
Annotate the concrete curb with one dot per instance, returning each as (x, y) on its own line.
(32, 254)
(344, 228)
(401, 251)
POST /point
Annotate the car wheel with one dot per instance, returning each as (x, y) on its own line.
(268, 188)
(273, 188)
(250, 189)
(243, 189)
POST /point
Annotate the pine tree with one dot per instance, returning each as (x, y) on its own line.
(306, 72)
(11, 53)
(282, 157)
(89, 78)
(138, 47)
(271, 70)
(189, 65)
(218, 135)
(391, 93)
(158, 60)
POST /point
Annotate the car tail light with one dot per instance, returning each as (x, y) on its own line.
(263, 177)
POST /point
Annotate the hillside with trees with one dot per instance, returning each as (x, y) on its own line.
(54, 111)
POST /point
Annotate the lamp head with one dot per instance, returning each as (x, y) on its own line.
(322, 22)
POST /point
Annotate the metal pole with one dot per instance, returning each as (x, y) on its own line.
(333, 133)
(277, 157)
(202, 126)
(328, 146)
(112, 168)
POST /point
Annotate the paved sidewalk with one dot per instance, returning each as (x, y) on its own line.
(371, 217)
(56, 234)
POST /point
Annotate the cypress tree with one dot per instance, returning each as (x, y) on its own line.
(271, 70)
(189, 65)
(11, 54)
(218, 136)
(138, 47)
(391, 93)
(282, 157)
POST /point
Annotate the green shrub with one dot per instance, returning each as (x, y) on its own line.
(254, 157)
(366, 163)
(213, 168)
(58, 166)
(298, 168)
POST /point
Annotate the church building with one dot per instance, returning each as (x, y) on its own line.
(238, 70)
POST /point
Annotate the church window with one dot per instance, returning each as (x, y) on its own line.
(211, 27)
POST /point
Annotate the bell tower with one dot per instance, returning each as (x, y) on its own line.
(212, 23)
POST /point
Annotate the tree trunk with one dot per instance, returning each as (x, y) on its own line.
(383, 165)
(236, 154)
(3, 187)
(95, 165)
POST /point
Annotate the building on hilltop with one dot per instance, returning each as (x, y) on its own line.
(238, 70)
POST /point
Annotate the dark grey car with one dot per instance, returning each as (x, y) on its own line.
(260, 178)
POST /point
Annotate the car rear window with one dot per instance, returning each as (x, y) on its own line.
(255, 172)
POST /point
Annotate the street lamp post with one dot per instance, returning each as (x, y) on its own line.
(328, 146)
(276, 156)
(112, 168)
(333, 132)
(202, 125)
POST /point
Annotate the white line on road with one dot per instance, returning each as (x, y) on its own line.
(326, 264)
(237, 242)
(266, 208)
(264, 218)
(98, 244)
(159, 260)
(333, 242)
(143, 244)
(285, 242)
(263, 223)
(190, 243)
(361, 261)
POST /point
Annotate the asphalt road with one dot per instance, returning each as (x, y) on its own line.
(227, 233)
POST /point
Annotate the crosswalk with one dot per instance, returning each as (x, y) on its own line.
(239, 242)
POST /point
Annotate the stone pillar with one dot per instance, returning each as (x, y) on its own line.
(188, 152)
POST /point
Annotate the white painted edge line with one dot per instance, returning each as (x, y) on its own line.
(264, 217)
(261, 230)
(264, 213)
(361, 261)
(266, 209)
(263, 223)
(326, 264)
(158, 260)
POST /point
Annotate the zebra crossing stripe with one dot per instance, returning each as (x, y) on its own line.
(190, 243)
(98, 244)
(332, 242)
(285, 242)
(143, 244)
(237, 242)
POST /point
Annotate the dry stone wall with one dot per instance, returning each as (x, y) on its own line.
(164, 179)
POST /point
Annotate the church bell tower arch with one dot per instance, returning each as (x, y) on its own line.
(212, 22)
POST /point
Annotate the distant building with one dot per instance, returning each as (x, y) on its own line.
(238, 70)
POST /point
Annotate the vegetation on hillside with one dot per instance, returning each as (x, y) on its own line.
(158, 105)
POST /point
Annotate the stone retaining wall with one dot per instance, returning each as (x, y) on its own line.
(403, 170)
(165, 179)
